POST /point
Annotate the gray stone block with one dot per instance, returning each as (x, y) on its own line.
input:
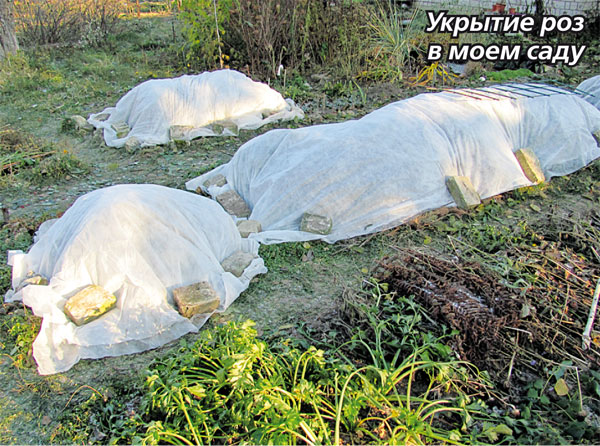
(531, 165)
(237, 263)
(233, 204)
(200, 191)
(80, 123)
(121, 128)
(178, 133)
(89, 304)
(317, 224)
(463, 192)
(216, 180)
(198, 298)
(132, 144)
(102, 117)
(247, 227)
(219, 127)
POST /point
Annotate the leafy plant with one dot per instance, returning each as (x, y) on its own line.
(18, 333)
(508, 75)
(205, 25)
(59, 166)
(19, 150)
(396, 42)
(231, 386)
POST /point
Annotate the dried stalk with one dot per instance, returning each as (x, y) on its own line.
(586, 338)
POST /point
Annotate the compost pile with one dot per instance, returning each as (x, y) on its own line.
(498, 326)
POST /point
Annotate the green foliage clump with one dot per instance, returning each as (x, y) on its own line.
(205, 30)
(230, 386)
(395, 44)
(20, 152)
(18, 333)
(12, 236)
(509, 75)
(59, 166)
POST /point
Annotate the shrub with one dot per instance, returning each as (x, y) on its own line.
(88, 22)
(300, 34)
(264, 35)
(204, 22)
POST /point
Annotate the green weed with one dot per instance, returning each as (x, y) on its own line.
(19, 151)
(205, 22)
(18, 234)
(508, 75)
(60, 166)
(231, 386)
(396, 41)
(18, 333)
(38, 159)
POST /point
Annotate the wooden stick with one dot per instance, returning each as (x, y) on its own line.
(39, 155)
(586, 338)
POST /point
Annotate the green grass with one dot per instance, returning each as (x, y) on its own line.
(47, 85)
(508, 75)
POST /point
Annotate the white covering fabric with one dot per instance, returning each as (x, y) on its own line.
(224, 97)
(374, 173)
(139, 242)
(590, 90)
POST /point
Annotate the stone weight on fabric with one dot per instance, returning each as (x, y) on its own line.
(247, 227)
(462, 192)
(32, 279)
(234, 204)
(132, 144)
(178, 133)
(531, 165)
(120, 128)
(89, 304)
(198, 298)
(237, 263)
(317, 224)
(217, 180)
(80, 123)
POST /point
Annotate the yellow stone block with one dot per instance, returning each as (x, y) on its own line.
(531, 165)
(89, 304)
(461, 189)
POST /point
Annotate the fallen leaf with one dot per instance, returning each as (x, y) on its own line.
(561, 387)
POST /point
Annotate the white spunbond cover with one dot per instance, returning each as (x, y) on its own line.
(590, 90)
(139, 242)
(210, 104)
(374, 173)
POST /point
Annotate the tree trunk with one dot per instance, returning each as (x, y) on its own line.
(8, 38)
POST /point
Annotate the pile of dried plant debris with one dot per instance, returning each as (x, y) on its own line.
(501, 327)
